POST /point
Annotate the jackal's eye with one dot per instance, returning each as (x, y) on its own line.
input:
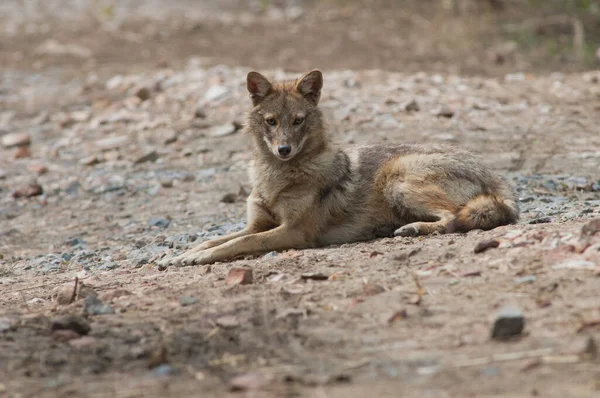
(271, 121)
(298, 120)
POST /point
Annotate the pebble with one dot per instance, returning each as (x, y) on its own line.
(158, 223)
(509, 323)
(411, 106)
(165, 370)
(486, 245)
(22, 152)
(228, 322)
(151, 156)
(525, 279)
(143, 93)
(110, 143)
(37, 168)
(12, 140)
(89, 160)
(94, 306)
(75, 323)
(6, 324)
(188, 300)
(28, 191)
(575, 264)
(223, 130)
(239, 276)
(215, 92)
(229, 198)
(82, 342)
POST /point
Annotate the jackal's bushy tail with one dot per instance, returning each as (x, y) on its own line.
(485, 212)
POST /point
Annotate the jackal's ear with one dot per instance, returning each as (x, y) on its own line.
(258, 87)
(310, 86)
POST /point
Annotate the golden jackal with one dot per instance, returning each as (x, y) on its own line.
(308, 192)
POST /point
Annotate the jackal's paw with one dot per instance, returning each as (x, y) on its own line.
(407, 230)
(193, 258)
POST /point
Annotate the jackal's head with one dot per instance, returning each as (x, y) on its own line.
(285, 118)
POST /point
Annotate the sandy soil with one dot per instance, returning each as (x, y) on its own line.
(136, 156)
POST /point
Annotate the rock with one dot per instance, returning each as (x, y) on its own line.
(486, 245)
(3, 174)
(28, 191)
(82, 342)
(63, 295)
(75, 323)
(575, 264)
(215, 92)
(65, 335)
(22, 152)
(541, 220)
(151, 156)
(165, 370)
(229, 198)
(113, 142)
(509, 323)
(37, 168)
(249, 382)
(143, 93)
(591, 228)
(51, 47)
(525, 279)
(94, 306)
(223, 130)
(444, 111)
(272, 254)
(6, 324)
(158, 223)
(200, 113)
(314, 276)
(411, 106)
(228, 322)
(16, 140)
(239, 276)
(188, 300)
(89, 160)
(371, 289)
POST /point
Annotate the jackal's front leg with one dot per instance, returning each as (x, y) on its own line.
(280, 238)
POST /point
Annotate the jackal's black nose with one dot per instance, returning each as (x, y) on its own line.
(284, 150)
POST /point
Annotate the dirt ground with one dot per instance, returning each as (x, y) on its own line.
(124, 122)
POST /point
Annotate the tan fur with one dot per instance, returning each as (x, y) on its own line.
(319, 194)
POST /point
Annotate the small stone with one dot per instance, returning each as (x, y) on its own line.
(188, 300)
(591, 228)
(143, 93)
(39, 169)
(223, 130)
(94, 306)
(22, 152)
(3, 174)
(215, 92)
(89, 160)
(64, 293)
(541, 220)
(166, 183)
(229, 198)
(165, 370)
(82, 342)
(151, 156)
(28, 191)
(525, 279)
(314, 276)
(444, 111)
(272, 254)
(575, 264)
(485, 245)
(249, 382)
(411, 106)
(239, 276)
(200, 113)
(110, 143)
(372, 289)
(509, 323)
(75, 323)
(65, 335)
(158, 223)
(6, 324)
(16, 140)
(228, 322)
